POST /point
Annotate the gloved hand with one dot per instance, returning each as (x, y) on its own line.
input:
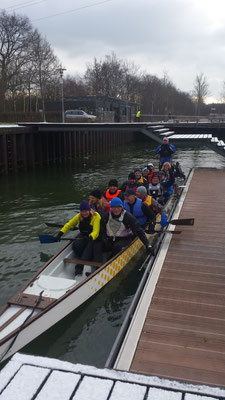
(58, 236)
(164, 220)
(150, 250)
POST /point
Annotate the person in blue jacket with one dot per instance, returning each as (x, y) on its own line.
(144, 214)
(165, 151)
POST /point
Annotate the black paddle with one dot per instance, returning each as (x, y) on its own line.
(187, 221)
(167, 231)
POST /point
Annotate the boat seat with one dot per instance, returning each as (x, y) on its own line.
(30, 300)
(52, 283)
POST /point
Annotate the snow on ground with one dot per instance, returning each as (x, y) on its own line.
(29, 377)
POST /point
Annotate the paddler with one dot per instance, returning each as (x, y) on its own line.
(119, 228)
(87, 244)
(98, 202)
(140, 210)
(131, 183)
(113, 190)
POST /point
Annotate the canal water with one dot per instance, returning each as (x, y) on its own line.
(28, 200)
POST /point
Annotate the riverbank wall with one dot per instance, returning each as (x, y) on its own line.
(29, 147)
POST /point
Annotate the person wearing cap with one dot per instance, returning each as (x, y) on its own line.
(165, 150)
(142, 194)
(112, 190)
(98, 202)
(119, 228)
(87, 244)
(131, 183)
(141, 211)
(151, 169)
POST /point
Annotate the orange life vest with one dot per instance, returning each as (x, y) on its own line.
(110, 196)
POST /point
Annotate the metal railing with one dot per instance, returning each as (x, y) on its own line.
(163, 118)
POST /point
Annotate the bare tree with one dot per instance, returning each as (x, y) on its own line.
(45, 65)
(201, 90)
(15, 35)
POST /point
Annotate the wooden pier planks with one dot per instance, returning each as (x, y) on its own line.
(184, 333)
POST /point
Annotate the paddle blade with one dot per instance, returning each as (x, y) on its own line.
(46, 238)
(187, 221)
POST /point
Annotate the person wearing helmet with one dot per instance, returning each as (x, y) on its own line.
(119, 228)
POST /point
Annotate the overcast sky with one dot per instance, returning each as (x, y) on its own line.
(180, 37)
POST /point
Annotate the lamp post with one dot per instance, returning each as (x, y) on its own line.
(61, 70)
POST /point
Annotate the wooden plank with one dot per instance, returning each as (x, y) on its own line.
(30, 300)
(186, 338)
(168, 370)
(175, 293)
(181, 356)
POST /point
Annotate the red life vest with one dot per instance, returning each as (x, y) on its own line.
(110, 196)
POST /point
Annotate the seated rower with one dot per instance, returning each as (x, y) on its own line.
(87, 244)
(98, 202)
(131, 183)
(151, 169)
(112, 190)
(166, 168)
(119, 228)
(142, 194)
(141, 211)
(160, 187)
(139, 177)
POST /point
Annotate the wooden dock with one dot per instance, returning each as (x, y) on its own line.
(178, 331)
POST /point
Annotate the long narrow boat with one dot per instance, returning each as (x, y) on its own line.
(54, 292)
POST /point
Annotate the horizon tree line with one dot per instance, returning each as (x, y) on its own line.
(29, 75)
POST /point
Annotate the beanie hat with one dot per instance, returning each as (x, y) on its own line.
(113, 182)
(130, 192)
(84, 206)
(116, 202)
(142, 190)
(96, 193)
(131, 175)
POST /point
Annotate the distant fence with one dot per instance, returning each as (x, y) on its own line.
(180, 118)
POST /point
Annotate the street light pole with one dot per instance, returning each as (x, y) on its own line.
(61, 70)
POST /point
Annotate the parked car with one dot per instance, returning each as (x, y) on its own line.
(79, 116)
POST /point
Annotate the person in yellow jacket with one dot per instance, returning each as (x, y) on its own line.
(87, 244)
(138, 116)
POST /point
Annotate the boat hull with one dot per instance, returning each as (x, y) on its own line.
(17, 333)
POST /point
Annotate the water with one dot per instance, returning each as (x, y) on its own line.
(28, 200)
